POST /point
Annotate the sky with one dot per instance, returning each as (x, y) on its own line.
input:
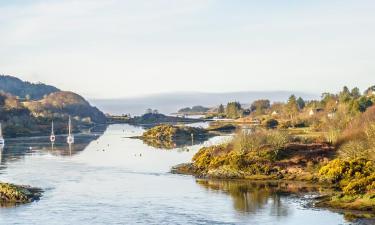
(126, 48)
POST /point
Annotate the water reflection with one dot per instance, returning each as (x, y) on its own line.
(252, 197)
(16, 149)
(168, 144)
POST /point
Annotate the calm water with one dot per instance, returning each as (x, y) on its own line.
(111, 179)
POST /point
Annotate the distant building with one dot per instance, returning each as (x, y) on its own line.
(315, 111)
(331, 115)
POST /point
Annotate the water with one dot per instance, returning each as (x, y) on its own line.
(111, 179)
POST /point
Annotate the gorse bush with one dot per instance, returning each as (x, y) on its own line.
(356, 176)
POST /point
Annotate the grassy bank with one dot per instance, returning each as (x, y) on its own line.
(278, 155)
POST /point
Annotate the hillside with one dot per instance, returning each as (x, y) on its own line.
(63, 103)
(32, 116)
(24, 89)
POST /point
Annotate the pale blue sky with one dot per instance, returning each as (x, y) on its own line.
(109, 48)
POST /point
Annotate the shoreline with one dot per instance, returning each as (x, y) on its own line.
(324, 200)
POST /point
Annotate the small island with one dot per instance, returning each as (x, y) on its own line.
(11, 194)
(171, 136)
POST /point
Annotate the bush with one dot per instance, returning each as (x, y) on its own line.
(353, 149)
(351, 176)
(257, 141)
(360, 186)
(363, 145)
(271, 123)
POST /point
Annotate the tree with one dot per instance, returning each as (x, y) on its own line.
(260, 106)
(327, 97)
(221, 109)
(301, 103)
(364, 103)
(345, 95)
(233, 110)
(292, 106)
(370, 91)
(360, 105)
(356, 93)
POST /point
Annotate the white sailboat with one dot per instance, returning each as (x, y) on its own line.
(52, 138)
(2, 141)
(70, 138)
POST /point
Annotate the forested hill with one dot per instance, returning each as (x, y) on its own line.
(25, 89)
(28, 109)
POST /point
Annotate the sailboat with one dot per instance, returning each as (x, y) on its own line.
(70, 138)
(52, 138)
(2, 141)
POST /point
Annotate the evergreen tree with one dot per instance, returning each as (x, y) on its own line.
(221, 109)
(292, 106)
(301, 103)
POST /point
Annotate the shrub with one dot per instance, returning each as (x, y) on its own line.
(361, 146)
(271, 123)
(353, 177)
(353, 149)
(260, 144)
(360, 186)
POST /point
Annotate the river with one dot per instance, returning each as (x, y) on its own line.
(108, 178)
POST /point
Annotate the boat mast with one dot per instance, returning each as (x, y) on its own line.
(70, 138)
(52, 138)
(69, 128)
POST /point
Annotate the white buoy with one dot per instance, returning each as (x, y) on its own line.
(70, 138)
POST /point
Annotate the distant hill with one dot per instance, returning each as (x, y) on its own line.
(24, 89)
(171, 102)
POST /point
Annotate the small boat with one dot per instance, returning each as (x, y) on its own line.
(2, 141)
(70, 138)
(52, 138)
